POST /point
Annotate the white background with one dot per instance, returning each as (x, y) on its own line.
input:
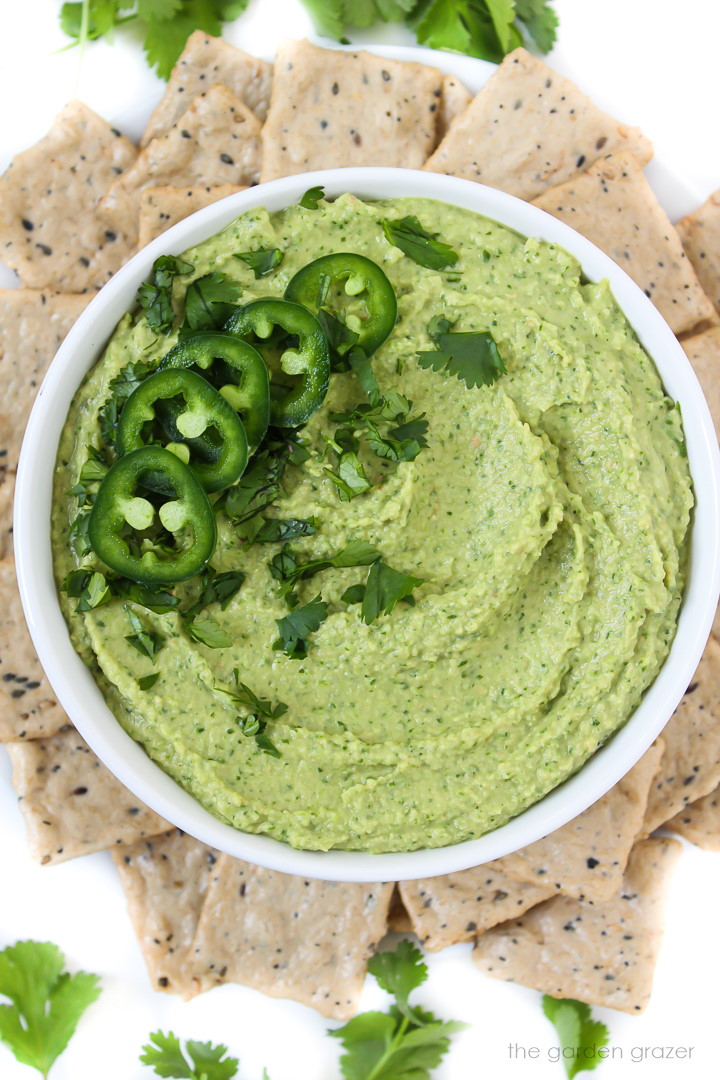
(650, 62)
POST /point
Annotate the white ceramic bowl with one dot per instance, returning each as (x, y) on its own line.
(74, 685)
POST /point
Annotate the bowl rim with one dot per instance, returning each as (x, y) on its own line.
(82, 699)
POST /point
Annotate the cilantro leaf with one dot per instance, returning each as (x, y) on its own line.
(262, 262)
(46, 1002)
(577, 1031)
(155, 297)
(278, 530)
(208, 632)
(155, 599)
(209, 303)
(353, 594)
(400, 972)
(467, 26)
(148, 681)
(295, 627)
(402, 442)
(120, 389)
(215, 589)
(88, 587)
(348, 477)
(540, 21)
(384, 588)
(147, 643)
(285, 568)
(207, 1062)
(419, 245)
(474, 358)
(313, 195)
(340, 337)
(243, 695)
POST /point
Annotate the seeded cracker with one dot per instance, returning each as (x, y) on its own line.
(289, 936)
(7, 495)
(28, 708)
(586, 858)
(602, 954)
(453, 101)
(458, 907)
(700, 235)
(699, 822)
(331, 109)
(49, 230)
(205, 61)
(217, 141)
(71, 803)
(613, 205)
(33, 325)
(529, 128)
(163, 207)
(165, 880)
(690, 767)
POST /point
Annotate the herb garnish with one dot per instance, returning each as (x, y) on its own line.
(262, 262)
(155, 297)
(340, 337)
(295, 627)
(145, 641)
(419, 245)
(197, 1061)
(578, 1033)
(473, 357)
(120, 389)
(46, 1002)
(349, 476)
(285, 568)
(88, 587)
(260, 711)
(384, 588)
(312, 197)
(386, 426)
(147, 681)
(208, 632)
(209, 303)
(215, 588)
(278, 530)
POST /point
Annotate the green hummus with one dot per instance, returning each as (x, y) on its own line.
(548, 518)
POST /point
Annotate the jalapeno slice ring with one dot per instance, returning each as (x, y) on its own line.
(363, 278)
(236, 370)
(290, 405)
(193, 415)
(126, 510)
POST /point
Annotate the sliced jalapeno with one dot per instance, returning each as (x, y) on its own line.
(193, 415)
(146, 495)
(316, 286)
(236, 370)
(303, 354)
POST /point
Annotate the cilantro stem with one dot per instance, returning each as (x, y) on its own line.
(387, 1056)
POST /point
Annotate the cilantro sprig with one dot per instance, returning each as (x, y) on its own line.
(418, 244)
(258, 712)
(155, 296)
(45, 1002)
(194, 1061)
(263, 261)
(580, 1036)
(473, 357)
(294, 629)
(209, 303)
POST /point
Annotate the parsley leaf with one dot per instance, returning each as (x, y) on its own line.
(206, 1062)
(295, 627)
(146, 642)
(474, 358)
(262, 262)
(120, 389)
(208, 632)
(46, 1002)
(419, 245)
(209, 303)
(313, 195)
(384, 588)
(580, 1036)
(155, 297)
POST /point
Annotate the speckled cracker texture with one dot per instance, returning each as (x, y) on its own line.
(28, 707)
(205, 61)
(290, 937)
(690, 767)
(71, 803)
(699, 822)
(700, 235)
(586, 858)
(216, 141)
(458, 907)
(165, 880)
(33, 325)
(50, 231)
(602, 954)
(7, 496)
(163, 207)
(330, 109)
(613, 205)
(528, 129)
(454, 101)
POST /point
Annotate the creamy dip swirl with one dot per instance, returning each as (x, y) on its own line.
(548, 518)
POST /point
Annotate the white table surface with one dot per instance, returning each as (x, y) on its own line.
(650, 62)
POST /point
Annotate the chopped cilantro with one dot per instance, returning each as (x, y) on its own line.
(155, 297)
(353, 594)
(119, 390)
(148, 681)
(215, 589)
(208, 632)
(197, 1061)
(88, 587)
(260, 711)
(348, 477)
(419, 245)
(263, 261)
(386, 426)
(209, 303)
(295, 628)
(474, 358)
(285, 568)
(384, 588)
(580, 1036)
(312, 197)
(340, 337)
(146, 642)
(278, 530)
(155, 598)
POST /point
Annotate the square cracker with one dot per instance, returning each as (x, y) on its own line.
(699, 822)
(33, 324)
(7, 495)
(613, 205)
(690, 767)
(700, 235)
(458, 907)
(454, 101)
(586, 858)
(529, 128)
(217, 141)
(205, 61)
(289, 936)
(331, 109)
(602, 954)
(50, 231)
(71, 803)
(163, 207)
(165, 879)
(28, 707)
